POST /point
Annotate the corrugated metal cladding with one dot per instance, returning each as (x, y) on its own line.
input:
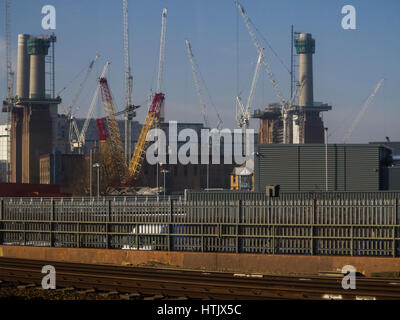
(230, 195)
(351, 167)
(394, 178)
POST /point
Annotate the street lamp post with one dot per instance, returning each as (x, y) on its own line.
(164, 171)
(90, 171)
(326, 159)
(98, 165)
(157, 169)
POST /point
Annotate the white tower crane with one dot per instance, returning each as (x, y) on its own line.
(197, 84)
(362, 111)
(73, 128)
(284, 105)
(10, 86)
(161, 58)
(243, 115)
(260, 49)
(128, 86)
(198, 88)
(10, 73)
(81, 137)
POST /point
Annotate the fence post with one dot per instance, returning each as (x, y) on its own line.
(351, 239)
(78, 229)
(137, 236)
(1, 220)
(313, 212)
(171, 218)
(273, 238)
(238, 222)
(53, 209)
(109, 210)
(396, 208)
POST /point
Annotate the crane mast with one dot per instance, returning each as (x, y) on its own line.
(162, 57)
(259, 49)
(154, 114)
(117, 161)
(128, 86)
(73, 128)
(79, 142)
(362, 111)
(150, 122)
(284, 105)
(243, 116)
(197, 83)
(10, 86)
(10, 73)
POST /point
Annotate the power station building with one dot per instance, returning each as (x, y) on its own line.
(33, 117)
(297, 124)
(4, 162)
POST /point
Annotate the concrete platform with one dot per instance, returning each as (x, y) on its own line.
(249, 263)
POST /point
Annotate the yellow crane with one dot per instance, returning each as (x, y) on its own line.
(156, 111)
(113, 150)
(150, 122)
(115, 158)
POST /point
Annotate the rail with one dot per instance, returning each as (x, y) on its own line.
(196, 284)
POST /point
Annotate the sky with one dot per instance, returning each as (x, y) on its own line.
(348, 64)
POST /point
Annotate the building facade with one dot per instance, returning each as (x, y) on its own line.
(318, 167)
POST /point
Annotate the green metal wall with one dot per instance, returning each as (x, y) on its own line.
(394, 178)
(355, 167)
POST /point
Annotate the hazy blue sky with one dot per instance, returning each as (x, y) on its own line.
(347, 65)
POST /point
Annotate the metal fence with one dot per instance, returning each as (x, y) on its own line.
(359, 227)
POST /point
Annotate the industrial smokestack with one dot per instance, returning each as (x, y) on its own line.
(305, 47)
(23, 67)
(37, 49)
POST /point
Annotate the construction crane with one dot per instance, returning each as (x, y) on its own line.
(73, 128)
(162, 57)
(10, 72)
(197, 84)
(260, 49)
(128, 87)
(114, 141)
(153, 115)
(243, 114)
(284, 104)
(362, 111)
(100, 122)
(8, 104)
(79, 141)
(82, 84)
(117, 159)
(198, 88)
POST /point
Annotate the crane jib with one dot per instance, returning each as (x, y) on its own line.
(157, 103)
(105, 92)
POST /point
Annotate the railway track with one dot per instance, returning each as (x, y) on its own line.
(168, 283)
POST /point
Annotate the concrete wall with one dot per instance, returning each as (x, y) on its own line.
(36, 141)
(16, 145)
(249, 263)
